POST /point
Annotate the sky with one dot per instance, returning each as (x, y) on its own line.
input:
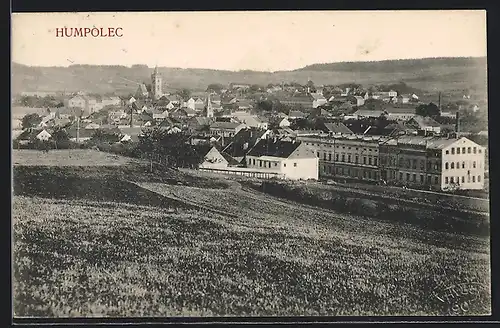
(262, 41)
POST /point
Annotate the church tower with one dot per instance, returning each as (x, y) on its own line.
(156, 82)
(210, 110)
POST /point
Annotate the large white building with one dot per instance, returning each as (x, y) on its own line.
(289, 159)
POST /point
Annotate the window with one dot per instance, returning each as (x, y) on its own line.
(436, 181)
(480, 150)
(294, 164)
(330, 157)
(407, 176)
(269, 164)
(446, 180)
(408, 163)
(369, 161)
(337, 157)
(414, 164)
(452, 165)
(458, 150)
(478, 178)
(317, 154)
(369, 174)
(275, 163)
(284, 164)
(451, 180)
(463, 179)
(463, 150)
(463, 165)
(364, 160)
(447, 152)
(375, 161)
(453, 151)
(421, 178)
(422, 165)
(324, 156)
(400, 176)
(260, 163)
(446, 166)
(414, 177)
(474, 150)
(348, 171)
(458, 165)
(343, 158)
(473, 178)
(468, 150)
(356, 159)
(254, 161)
(474, 164)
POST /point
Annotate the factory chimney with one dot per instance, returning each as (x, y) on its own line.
(457, 123)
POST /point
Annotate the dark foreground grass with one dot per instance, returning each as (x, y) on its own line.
(86, 243)
(78, 258)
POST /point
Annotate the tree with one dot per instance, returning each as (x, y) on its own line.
(185, 94)
(254, 88)
(374, 104)
(430, 109)
(30, 120)
(60, 138)
(215, 87)
(101, 136)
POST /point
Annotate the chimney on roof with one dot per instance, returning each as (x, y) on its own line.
(457, 122)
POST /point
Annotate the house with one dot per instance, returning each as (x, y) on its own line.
(295, 114)
(199, 104)
(364, 113)
(433, 162)
(225, 129)
(358, 101)
(111, 101)
(422, 123)
(130, 134)
(199, 123)
(400, 113)
(215, 159)
(131, 100)
(190, 103)
(243, 141)
(65, 112)
(284, 123)
(32, 134)
(318, 100)
(251, 121)
(402, 99)
(188, 112)
(80, 135)
(158, 114)
(142, 91)
(299, 100)
(337, 128)
(289, 159)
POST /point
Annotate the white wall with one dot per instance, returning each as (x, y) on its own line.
(468, 160)
(301, 168)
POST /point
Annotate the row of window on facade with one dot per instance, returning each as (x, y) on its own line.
(453, 166)
(452, 180)
(412, 177)
(268, 164)
(411, 163)
(344, 147)
(342, 157)
(461, 150)
(352, 172)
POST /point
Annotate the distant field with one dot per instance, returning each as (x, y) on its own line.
(101, 246)
(73, 157)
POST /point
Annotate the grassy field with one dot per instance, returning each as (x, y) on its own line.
(129, 244)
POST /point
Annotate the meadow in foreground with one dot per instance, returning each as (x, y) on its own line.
(89, 258)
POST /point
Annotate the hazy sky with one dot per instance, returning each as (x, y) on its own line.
(267, 41)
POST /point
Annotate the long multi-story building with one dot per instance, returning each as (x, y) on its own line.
(431, 162)
(351, 156)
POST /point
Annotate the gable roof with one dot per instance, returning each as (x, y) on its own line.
(425, 121)
(296, 113)
(224, 125)
(270, 147)
(338, 127)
